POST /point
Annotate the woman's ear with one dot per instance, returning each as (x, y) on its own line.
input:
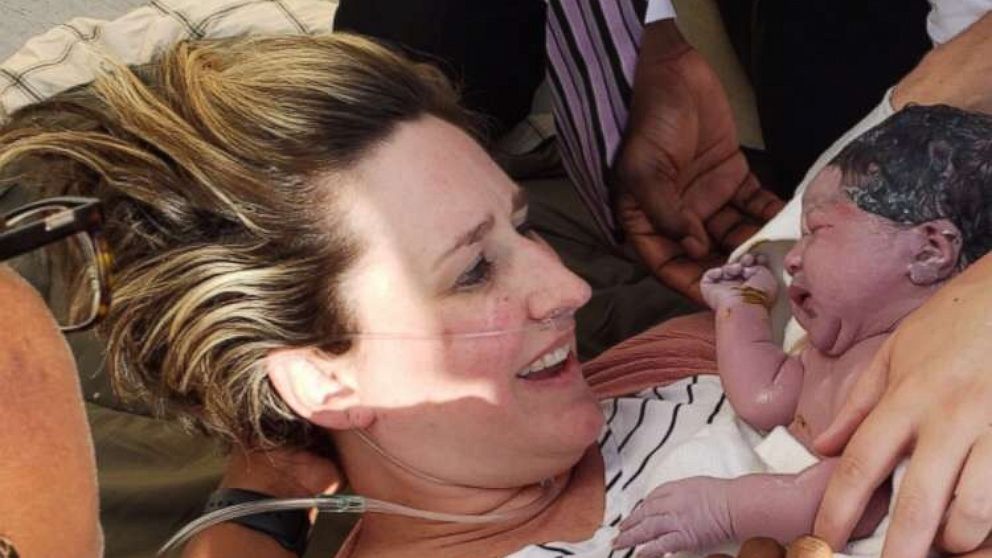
(937, 253)
(318, 387)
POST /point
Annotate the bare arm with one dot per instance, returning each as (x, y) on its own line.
(762, 382)
(788, 504)
(699, 513)
(48, 473)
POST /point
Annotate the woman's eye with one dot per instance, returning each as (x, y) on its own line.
(477, 275)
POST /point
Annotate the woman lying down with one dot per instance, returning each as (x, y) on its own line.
(900, 211)
(312, 251)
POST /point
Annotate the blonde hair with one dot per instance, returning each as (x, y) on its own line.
(226, 247)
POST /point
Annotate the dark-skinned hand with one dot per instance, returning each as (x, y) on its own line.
(685, 194)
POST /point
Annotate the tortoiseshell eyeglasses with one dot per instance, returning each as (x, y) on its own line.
(57, 245)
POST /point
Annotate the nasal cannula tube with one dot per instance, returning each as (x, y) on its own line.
(559, 321)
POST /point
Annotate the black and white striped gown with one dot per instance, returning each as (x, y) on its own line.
(639, 432)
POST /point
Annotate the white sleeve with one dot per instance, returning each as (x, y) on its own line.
(659, 9)
(949, 17)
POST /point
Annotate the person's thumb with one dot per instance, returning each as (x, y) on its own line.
(697, 242)
(863, 397)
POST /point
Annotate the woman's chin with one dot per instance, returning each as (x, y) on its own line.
(565, 431)
(582, 424)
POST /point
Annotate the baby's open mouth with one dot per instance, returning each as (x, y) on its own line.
(800, 298)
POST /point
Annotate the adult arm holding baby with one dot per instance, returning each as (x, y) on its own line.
(929, 390)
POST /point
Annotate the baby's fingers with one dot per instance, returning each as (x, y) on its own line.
(713, 275)
(669, 542)
(649, 529)
(732, 271)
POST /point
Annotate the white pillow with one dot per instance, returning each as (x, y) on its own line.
(948, 18)
(69, 55)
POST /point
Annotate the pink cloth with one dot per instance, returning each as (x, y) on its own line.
(670, 351)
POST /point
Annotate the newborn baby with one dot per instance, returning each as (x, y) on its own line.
(898, 212)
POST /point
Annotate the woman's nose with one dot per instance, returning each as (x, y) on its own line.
(553, 287)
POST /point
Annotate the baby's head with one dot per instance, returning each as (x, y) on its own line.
(899, 211)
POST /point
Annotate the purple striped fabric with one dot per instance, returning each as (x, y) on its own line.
(592, 51)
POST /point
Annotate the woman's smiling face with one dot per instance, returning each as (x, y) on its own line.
(445, 252)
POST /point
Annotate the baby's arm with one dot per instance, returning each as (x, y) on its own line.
(762, 382)
(699, 513)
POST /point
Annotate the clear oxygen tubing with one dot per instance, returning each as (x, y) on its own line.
(561, 320)
(333, 503)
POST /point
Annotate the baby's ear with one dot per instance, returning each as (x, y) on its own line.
(937, 252)
(318, 387)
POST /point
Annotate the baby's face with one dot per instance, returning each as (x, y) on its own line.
(849, 269)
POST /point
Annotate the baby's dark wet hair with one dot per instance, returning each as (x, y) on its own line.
(926, 163)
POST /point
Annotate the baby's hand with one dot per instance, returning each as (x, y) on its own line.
(748, 280)
(691, 515)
